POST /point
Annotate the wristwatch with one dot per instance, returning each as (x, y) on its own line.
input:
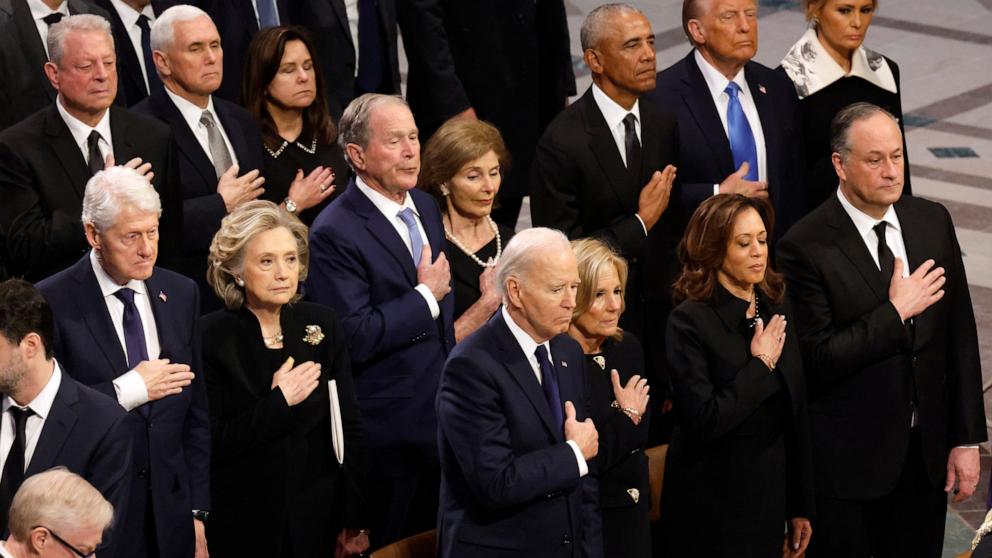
(290, 206)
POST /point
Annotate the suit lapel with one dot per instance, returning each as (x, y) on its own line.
(342, 16)
(235, 133)
(696, 95)
(381, 230)
(58, 425)
(97, 317)
(604, 147)
(66, 150)
(124, 149)
(918, 249)
(518, 364)
(853, 247)
(769, 130)
(34, 50)
(129, 56)
(185, 140)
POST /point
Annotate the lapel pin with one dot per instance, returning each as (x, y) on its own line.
(163, 296)
(762, 88)
(564, 364)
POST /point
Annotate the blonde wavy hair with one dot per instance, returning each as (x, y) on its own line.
(593, 256)
(227, 250)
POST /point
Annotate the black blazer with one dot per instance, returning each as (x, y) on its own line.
(705, 158)
(130, 81)
(739, 462)
(298, 490)
(864, 366)
(43, 177)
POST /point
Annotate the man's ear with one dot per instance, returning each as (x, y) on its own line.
(356, 155)
(696, 31)
(838, 161)
(592, 60)
(92, 236)
(52, 73)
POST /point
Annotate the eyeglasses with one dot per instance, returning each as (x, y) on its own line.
(73, 549)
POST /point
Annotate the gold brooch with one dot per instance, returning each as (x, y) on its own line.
(600, 360)
(635, 494)
(314, 335)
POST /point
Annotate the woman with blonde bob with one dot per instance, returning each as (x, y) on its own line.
(268, 360)
(614, 364)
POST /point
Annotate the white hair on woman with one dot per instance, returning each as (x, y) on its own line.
(163, 30)
(87, 23)
(110, 190)
(523, 251)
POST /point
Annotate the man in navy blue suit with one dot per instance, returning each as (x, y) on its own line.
(376, 259)
(128, 329)
(738, 120)
(514, 446)
(50, 419)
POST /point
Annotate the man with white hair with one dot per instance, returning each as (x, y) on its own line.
(513, 426)
(46, 159)
(57, 513)
(220, 146)
(128, 329)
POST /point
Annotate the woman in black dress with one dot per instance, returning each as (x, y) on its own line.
(284, 90)
(739, 467)
(287, 470)
(831, 69)
(614, 364)
(462, 167)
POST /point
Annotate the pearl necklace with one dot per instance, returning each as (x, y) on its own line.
(274, 340)
(275, 154)
(499, 245)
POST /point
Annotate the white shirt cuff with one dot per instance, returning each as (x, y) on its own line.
(131, 390)
(425, 291)
(643, 226)
(583, 466)
(969, 446)
(716, 189)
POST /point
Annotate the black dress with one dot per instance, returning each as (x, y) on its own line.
(622, 467)
(739, 463)
(280, 171)
(465, 271)
(276, 486)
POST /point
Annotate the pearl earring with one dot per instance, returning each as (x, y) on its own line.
(444, 190)
(239, 281)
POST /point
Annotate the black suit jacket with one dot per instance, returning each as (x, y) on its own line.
(510, 484)
(705, 158)
(864, 367)
(24, 88)
(237, 24)
(130, 81)
(256, 435)
(171, 436)
(202, 207)
(43, 177)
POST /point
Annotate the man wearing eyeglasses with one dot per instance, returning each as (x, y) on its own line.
(56, 512)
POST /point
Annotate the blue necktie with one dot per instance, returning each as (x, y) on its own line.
(416, 242)
(134, 332)
(741, 138)
(370, 72)
(146, 53)
(549, 384)
(268, 16)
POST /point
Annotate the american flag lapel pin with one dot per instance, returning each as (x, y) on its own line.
(163, 296)
(762, 88)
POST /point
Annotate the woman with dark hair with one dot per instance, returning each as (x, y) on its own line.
(283, 89)
(739, 466)
(462, 167)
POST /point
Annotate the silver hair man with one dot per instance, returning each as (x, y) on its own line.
(163, 30)
(523, 250)
(86, 23)
(597, 23)
(110, 190)
(356, 122)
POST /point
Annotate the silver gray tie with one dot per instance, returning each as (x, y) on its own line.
(218, 149)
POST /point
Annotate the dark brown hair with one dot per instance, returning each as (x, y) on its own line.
(456, 143)
(262, 63)
(22, 311)
(704, 247)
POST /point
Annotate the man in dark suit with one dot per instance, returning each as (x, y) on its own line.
(718, 131)
(220, 147)
(888, 337)
(513, 441)
(63, 423)
(128, 329)
(46, 159)
(24, 25)
(372, 260)
(603, 169)
(237, 22)
(131, 23)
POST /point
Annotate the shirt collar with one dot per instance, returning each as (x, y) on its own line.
(811, 68)
(81, 131)
(107, 285)
(865, 223)
(40, 10)
(386, 206)
(717, 82)
(526, 342)
(129, 16)
(41, 405)
(190, 112)
(613, 112)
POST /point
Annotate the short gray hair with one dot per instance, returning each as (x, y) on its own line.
(61, 500)
(110, 190)
(87, 23)
(840, 126)
(163, 30)
(355, 124)
(597, 23)
(523, 250)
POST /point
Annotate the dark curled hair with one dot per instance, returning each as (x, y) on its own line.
(22, 311)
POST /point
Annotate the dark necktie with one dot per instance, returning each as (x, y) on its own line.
(146, 52)
(52, 18)
(13, 468)
(632, 145)
(549, 384)
(369, 47)
(96, 158)
(886, 260)
(740, 135)
(268, 14)
(134, 332)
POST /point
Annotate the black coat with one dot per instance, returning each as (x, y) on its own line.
(864, 366)
(130, 81)
(739, 465)
(272, 459)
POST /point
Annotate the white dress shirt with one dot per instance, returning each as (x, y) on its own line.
(528, 346)
(130, 388)
(390, 210)
(717, 82)
(351, 8)
(81, 132)
(38, 11)
(129, 17)
(192, 113)
(865, 224)
(41, 405)
(4, 553)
